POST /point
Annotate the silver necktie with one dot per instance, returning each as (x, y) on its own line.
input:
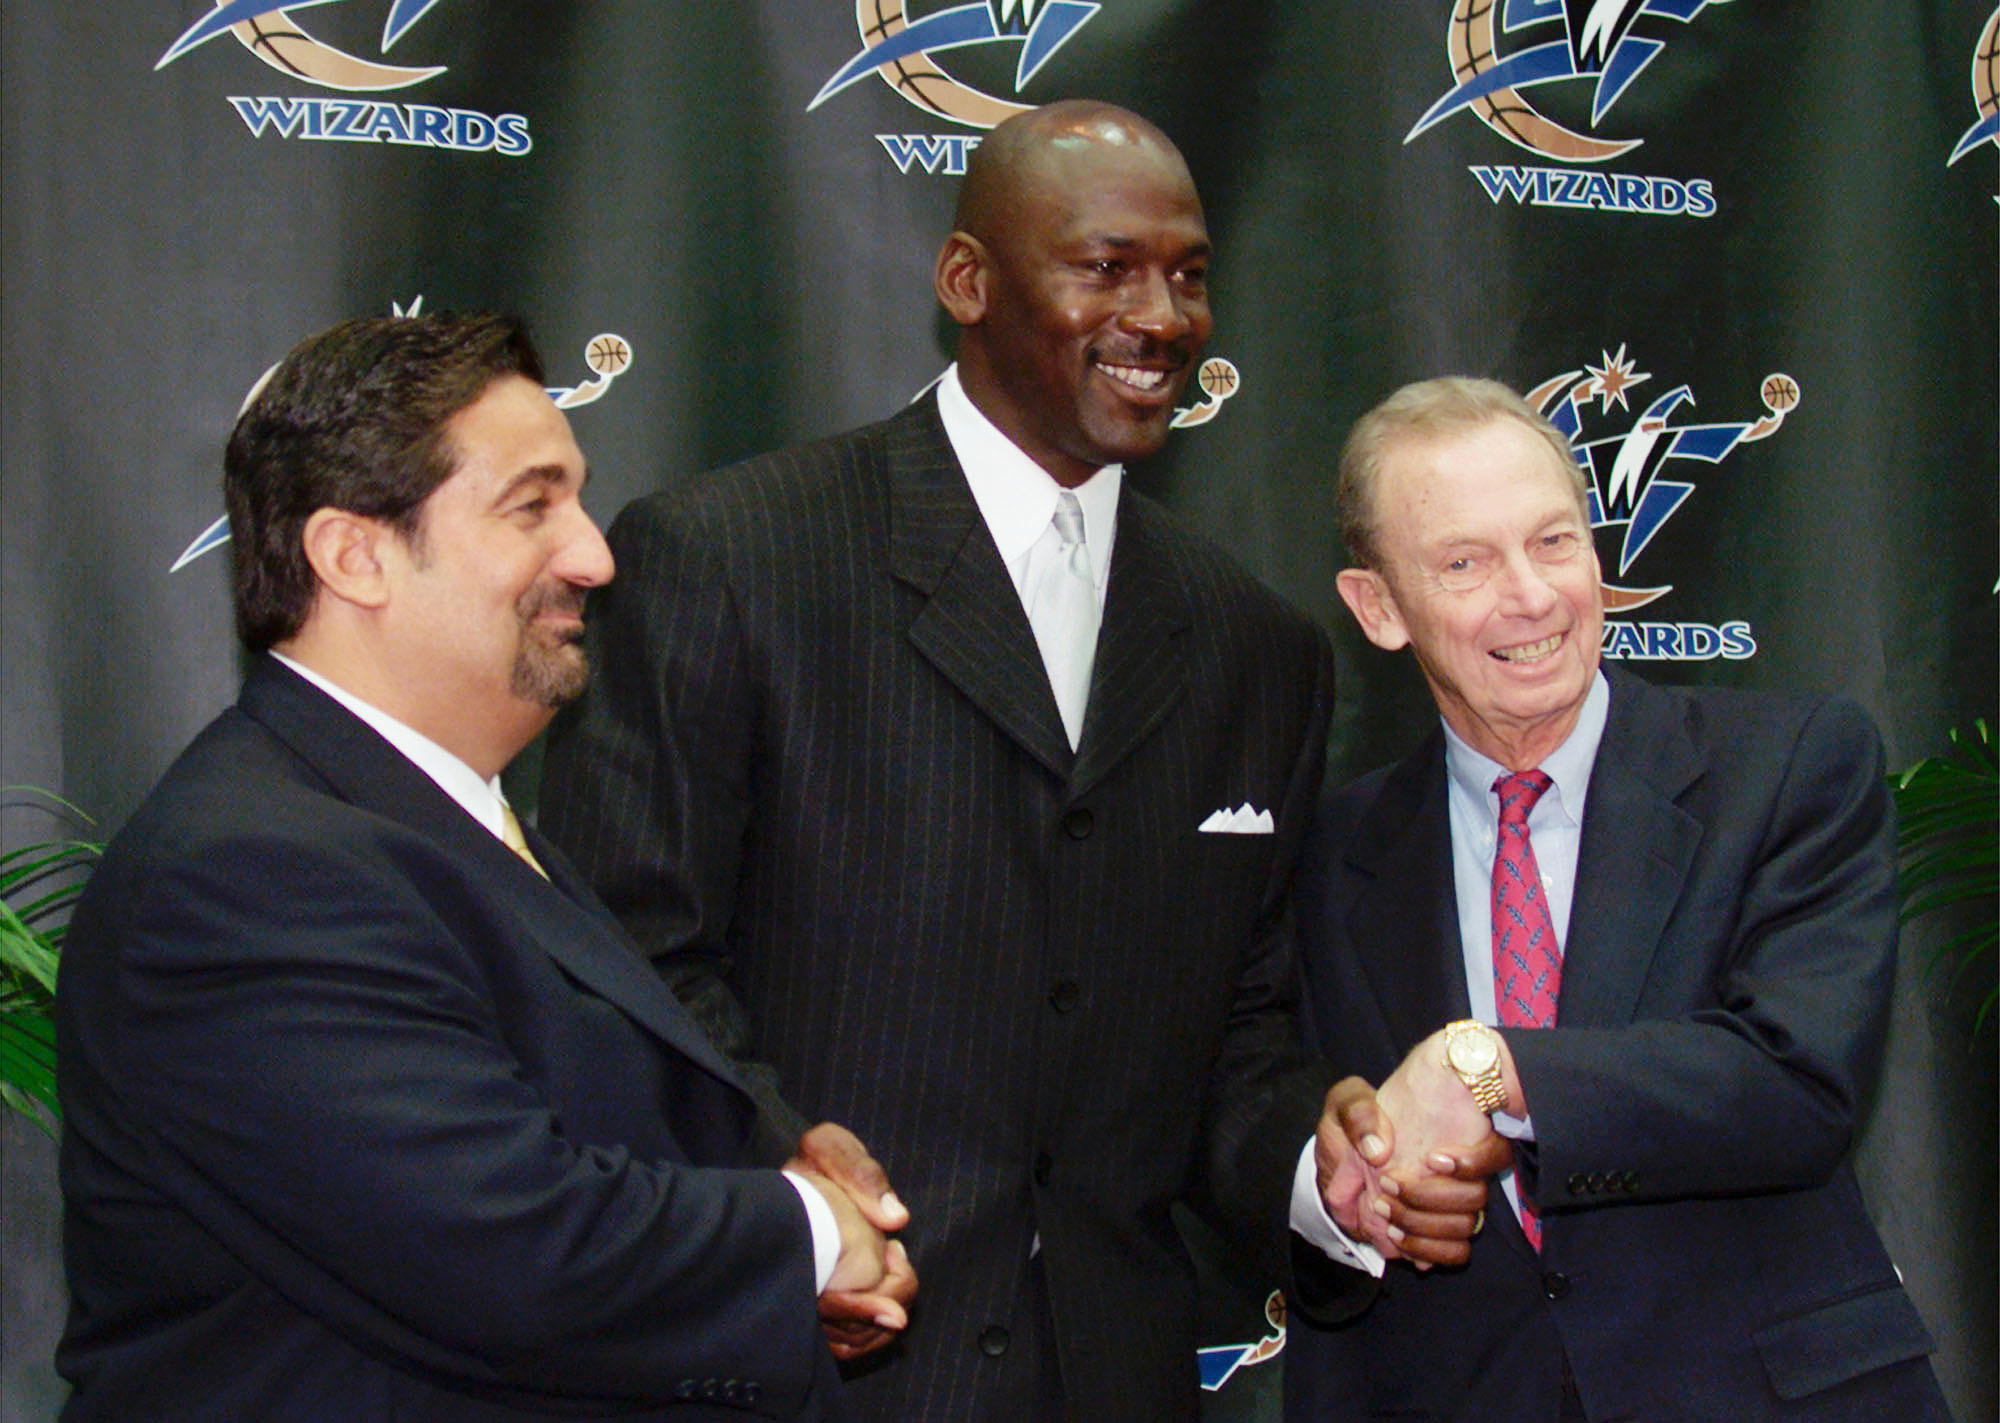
(1063, 611)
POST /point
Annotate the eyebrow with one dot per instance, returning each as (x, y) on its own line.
(1121, 242)
(536, 474)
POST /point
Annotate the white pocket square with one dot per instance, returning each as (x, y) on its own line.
(1240, 821)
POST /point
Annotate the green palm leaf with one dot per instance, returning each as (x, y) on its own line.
(1948, 830)
(38, 884)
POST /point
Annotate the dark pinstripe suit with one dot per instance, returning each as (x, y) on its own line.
(823, 751)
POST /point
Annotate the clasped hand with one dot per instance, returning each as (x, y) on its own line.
(1405, 1168)
(866, 1301)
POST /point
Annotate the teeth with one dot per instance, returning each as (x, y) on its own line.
(1529, 652)
(1134, 376)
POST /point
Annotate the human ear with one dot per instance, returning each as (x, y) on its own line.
(1368, 597)
(346, 552)
(960, 278)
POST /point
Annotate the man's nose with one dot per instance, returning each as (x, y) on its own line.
(1524, 589)
(584, 559)
(1156, 309)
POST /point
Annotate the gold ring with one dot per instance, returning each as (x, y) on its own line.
(1479, 1220)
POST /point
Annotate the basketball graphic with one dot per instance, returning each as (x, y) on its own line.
(1780, 392)
(1217, 380)
(607, 355)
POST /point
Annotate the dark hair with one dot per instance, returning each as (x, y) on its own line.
(353, 419)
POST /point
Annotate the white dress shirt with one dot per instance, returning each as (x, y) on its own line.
(1017, 497)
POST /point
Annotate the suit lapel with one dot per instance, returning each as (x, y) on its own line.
(1403, 925)
(1633, 860)
(972, 629)
(560, 916)
(1140, 672)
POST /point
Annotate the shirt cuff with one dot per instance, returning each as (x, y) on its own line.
(1514, 1128)
(1311, 1220)
(825, 1230)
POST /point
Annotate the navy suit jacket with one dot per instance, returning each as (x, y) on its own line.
(822, 750)
(365, 1119)
(1725, 992)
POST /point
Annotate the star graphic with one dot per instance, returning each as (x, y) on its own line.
(1610, 381)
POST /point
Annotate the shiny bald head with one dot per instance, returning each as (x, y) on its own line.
(1077, 275)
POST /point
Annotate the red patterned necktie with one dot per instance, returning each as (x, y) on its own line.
(1527, 966)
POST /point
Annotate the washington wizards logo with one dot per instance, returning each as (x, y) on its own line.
(1985, 91)
(903, 52)
(269, 32)
(1220, 1363)
(1609, 41)
(1630, 471)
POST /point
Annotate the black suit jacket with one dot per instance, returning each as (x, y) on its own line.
(822, 748)
(1725, 992)
(365, 1119)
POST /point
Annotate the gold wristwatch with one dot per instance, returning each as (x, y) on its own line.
(1472, 1050)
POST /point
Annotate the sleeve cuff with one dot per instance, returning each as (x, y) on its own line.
(825, 1230)
(1310, 1219)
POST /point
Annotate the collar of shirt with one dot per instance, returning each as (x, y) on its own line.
(481, 799)
(1016, 496)
(1555, 826)
(1568, 766)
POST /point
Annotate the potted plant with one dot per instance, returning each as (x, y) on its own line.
(1948, 830)
(37, 884)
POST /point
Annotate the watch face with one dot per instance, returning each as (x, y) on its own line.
(1472, 1051)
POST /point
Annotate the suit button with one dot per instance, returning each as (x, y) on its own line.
(711, 1389)
(1577, 1183)
(993, 1341)
(1078, 822)
(1596, 1182)
(686, 1389)
(1044, 1166)
(1065, 995)
(752, 1392)
(732, 1391)
(1628, 1181)
(1555, 1284)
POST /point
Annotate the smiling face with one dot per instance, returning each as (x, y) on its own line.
(487, 597)
(1083, 301)
(1488, 573)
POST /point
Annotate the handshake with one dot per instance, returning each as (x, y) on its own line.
(866, 1301)
(1405, 1167)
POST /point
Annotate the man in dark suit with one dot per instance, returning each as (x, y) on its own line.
(1665, 969)
(982, 828)
(367, 1114)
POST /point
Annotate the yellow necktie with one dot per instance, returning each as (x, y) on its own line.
(510, 831)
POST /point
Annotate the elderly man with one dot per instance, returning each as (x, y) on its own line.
(977, 783)
(370, 1109)
(1651, 931)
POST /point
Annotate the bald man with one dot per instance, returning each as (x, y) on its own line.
(919, 736)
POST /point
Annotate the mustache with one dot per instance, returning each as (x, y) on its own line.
(553, 596)
(1146, 350)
